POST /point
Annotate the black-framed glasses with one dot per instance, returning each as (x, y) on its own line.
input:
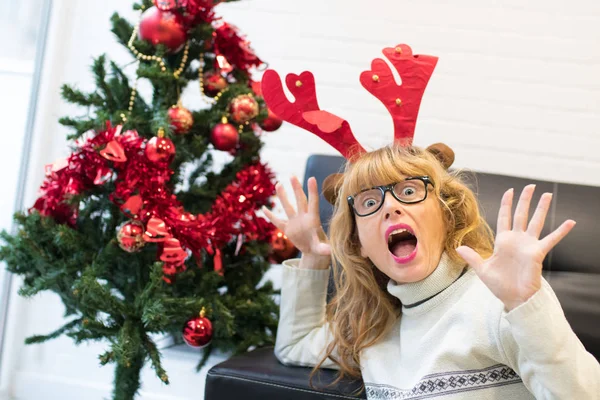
(409, 191)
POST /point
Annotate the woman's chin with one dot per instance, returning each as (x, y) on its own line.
(407, 269)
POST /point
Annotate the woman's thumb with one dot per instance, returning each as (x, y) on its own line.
(470, 256)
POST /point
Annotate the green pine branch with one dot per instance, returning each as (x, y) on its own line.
(43, 338)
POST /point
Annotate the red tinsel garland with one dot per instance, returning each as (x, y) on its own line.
(236, 50)
(193, 11)
(142, 192)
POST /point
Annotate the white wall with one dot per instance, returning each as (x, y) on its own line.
(516, 91)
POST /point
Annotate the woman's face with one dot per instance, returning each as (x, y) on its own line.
(386, 238)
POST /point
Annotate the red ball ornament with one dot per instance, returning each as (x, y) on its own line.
(282, 248)
(163, 27)
(198, 331)
(131, 236)
(224, 136)
(271, 123)
(213, 83)
(160, 149)
(243, 108)
(181, 119)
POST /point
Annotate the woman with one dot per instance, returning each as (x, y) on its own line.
(427, 304)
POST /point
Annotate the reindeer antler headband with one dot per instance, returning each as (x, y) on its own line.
(402, 101)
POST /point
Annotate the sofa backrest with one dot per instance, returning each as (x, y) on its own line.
(573, 266)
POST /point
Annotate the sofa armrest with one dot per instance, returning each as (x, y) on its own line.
(258, 375)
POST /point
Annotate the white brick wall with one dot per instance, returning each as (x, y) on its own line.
(516, 91)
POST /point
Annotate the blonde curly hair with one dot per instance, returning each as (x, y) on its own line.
(362, 311)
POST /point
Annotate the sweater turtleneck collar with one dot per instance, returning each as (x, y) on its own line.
(415, 293)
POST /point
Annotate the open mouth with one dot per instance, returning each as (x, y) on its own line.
(402, 243)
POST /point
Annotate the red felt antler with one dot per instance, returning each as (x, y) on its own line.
(402, 101)
(305, 112)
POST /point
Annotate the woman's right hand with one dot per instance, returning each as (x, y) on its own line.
(303, 226)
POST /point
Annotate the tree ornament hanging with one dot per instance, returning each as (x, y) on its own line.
(131, 236)
(114, 152)
(156, 231)
(213, 83)
(181, 119)
(271, 123)
(224, 136)
(163, 27)
(198, 331)
(160, 148)
(243, 108)
(282, 248)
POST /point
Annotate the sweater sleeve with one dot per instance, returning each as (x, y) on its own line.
(303, 334)
(541, 347)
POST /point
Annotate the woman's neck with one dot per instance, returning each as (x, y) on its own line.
(416, 293)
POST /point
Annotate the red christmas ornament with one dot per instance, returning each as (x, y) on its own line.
(156, 230)
(131, 236)
(198, 331)
(271, 123)
(160, 149)
(243, 108)
(172, 252)
(114, 152)
(224, 136)
(214, 83)
(132, 206)
(282, 248)
(181, 119)
(163, 27)
(171, 269)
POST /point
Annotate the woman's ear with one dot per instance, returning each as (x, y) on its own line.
(331, 187)
(443, 153)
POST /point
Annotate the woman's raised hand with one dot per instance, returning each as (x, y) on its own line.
(514, 271)
(303, 226)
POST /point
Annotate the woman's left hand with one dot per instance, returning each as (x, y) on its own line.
(514, 271)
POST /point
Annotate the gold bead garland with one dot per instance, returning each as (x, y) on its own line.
(241, 126)
(140, 56)
(160, 60)
(179, 70)
(131, 98)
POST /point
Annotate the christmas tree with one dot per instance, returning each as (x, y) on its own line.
(135, 231)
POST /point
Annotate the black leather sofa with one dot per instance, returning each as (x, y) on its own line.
(572, 269)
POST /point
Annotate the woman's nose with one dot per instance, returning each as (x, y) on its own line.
(391, 206)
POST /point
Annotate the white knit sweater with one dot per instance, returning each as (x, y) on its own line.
(458, 344)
